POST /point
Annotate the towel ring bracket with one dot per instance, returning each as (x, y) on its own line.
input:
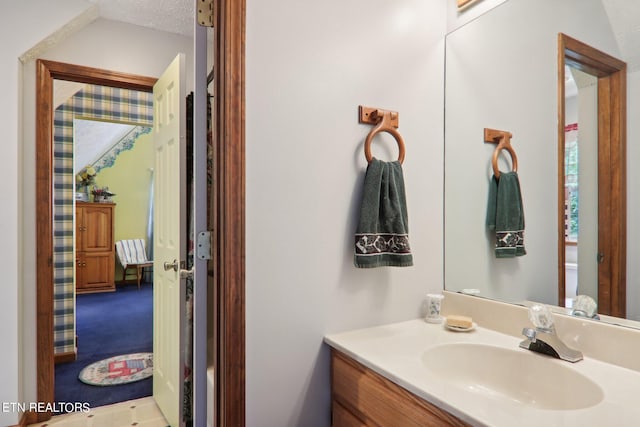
(385, 121)
(503, 140)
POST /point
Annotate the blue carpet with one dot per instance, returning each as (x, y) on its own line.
(108, 324)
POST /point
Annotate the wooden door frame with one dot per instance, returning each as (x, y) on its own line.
(46, 72)
(228, 207)
(612, 205)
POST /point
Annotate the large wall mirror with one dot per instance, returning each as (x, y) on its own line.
(502, 72)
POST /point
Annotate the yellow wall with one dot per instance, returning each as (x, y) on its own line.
(130, 179)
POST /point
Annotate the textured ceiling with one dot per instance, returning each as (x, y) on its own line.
(93, 138)
(174, 16)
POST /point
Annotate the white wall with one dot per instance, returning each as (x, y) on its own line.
(22, 25)
(102, 44)
(588, 189)
(633, 196)
(309, 66)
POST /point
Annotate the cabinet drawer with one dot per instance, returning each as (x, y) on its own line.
(378, 401)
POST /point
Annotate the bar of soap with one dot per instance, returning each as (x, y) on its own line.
(457, 321)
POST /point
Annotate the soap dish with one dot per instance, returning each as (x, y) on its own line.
(459, 329)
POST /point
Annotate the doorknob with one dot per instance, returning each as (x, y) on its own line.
(600, 257)
(175, 265)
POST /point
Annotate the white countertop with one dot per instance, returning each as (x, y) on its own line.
(395, 351)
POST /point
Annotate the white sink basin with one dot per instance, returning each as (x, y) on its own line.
(517, 375)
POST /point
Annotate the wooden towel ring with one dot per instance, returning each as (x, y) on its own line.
(503, 139)
(386, 121)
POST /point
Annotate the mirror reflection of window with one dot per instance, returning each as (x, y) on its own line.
(571, 183)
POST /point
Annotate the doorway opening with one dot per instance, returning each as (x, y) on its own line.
(610, 254)
(103, 153)
(227, 211)
(47, 72)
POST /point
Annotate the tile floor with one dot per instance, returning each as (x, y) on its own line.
(140, 413)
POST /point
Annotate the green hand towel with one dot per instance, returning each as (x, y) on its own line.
(505, 215)
(382, 238)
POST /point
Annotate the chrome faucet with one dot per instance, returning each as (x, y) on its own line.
(543, 339)
(585, 306)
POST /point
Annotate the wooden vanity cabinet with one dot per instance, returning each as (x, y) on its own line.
(95, 247)
(361, 398)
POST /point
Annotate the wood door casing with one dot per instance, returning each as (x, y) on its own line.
(46, 72)
(612, 205)
(228, 212)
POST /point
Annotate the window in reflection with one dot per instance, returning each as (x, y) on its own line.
(571, 183)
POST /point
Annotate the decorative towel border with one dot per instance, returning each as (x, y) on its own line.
(510, 240)
(368, 244)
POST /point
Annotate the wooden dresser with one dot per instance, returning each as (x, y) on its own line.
(95, 247)
(361, 398)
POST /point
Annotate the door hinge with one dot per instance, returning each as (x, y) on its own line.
(203, 245)
(205, 13)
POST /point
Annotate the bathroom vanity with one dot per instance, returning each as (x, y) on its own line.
(362, 397)
(416, 373)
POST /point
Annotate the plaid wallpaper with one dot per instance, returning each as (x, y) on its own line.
(91, 102)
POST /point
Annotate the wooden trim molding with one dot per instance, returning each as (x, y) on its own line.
(27, 418)
(46, 72)
(69, 356)
(229, 212)
(612, 176)
(44, 234)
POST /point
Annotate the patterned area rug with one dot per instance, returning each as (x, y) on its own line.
(118, 370)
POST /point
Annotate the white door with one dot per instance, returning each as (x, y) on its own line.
(169, 243)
